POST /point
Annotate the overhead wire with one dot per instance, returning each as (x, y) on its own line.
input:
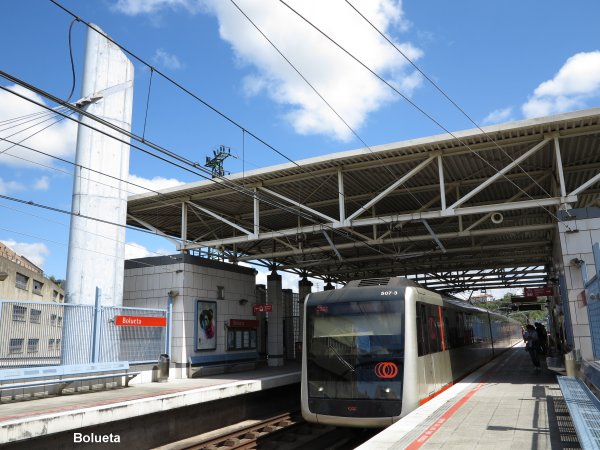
(441, 91)
(218, 179)
(188, 92)
(76, 109)
(412, 103)
(331, 108)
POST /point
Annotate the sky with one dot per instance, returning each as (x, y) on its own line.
(498, 60)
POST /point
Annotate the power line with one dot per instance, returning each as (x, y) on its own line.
(434, 84)
(222, 181)
(413, 104)
(288, 61)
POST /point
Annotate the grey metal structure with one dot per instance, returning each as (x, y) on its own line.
(476, 210)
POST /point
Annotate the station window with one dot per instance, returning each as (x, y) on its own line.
(220, 293)
(57, 347)
(37, 287)
(22, 281)
(59, 321)
(35, 316)
(19, 313)
(33, 345)
(241, 339)
(16, 346)
(50, 344)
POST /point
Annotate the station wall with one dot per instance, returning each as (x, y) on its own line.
(222, 291)
(574, 259)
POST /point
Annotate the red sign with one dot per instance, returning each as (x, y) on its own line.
(240, 323)
(140, 321)
(262, 308)
(386, 370)
(545, 291)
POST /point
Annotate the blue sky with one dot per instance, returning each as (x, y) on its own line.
(499, 61)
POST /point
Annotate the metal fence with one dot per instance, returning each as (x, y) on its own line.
(34, 334)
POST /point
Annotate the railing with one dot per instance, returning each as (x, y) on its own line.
(34, 334)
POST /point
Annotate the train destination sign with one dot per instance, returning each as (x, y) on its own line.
(262, 308)
(140, 321)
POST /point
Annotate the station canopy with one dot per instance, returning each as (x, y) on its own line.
(477, 209)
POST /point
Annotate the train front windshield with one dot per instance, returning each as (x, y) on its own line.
(355, 351)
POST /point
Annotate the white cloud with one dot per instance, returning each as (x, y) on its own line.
(10, 186)
(42, 184)
(35, 252)
(349, 88)
(154, 184)
(135, 7)
(58, 140)
(167, 60)
(134, 250)
(576, 83)
(499, 115)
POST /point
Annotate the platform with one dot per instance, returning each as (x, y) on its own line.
(35, 418)
(504, 405)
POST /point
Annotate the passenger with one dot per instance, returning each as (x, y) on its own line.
(542, 338)
(530, 337)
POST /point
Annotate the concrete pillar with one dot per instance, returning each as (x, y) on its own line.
(97, 248)
(574, 261)
(275, 331)
(304, 288)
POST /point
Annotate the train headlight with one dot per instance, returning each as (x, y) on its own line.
(321, 389)
(387, 390)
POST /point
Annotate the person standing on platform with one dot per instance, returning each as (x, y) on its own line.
(531, 338)
(542, 338)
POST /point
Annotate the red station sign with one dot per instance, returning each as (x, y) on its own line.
(241, 323)
(140, 321)
(545, 291)
(262, 308)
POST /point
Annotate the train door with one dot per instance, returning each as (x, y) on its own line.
(426, 362)
(435, 346)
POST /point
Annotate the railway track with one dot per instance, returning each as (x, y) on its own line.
(286, 431)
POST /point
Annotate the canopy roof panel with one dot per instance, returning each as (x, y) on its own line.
(386, 211)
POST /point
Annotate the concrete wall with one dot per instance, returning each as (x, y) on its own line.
(576, 240)
(9, 290)
(148, 282)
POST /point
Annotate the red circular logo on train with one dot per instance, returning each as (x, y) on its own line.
(386, 370)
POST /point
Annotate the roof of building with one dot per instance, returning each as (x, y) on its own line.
(397, 219)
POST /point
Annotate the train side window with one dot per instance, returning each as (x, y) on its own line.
(447, 334)
(422, 339)
(432, 329)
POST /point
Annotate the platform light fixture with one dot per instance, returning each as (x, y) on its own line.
(243, 301)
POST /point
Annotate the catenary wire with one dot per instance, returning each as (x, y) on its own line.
(187, 91)
(223, 181)
(413, 104)
(441, 91)
(352, 130)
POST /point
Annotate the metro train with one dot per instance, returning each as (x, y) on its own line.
(377, 349)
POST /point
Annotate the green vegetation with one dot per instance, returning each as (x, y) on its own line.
(503, 306)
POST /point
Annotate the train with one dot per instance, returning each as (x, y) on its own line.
(377, 349)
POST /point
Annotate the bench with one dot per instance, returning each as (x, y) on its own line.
(201, 365)
(584, 409)
(63, 375)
